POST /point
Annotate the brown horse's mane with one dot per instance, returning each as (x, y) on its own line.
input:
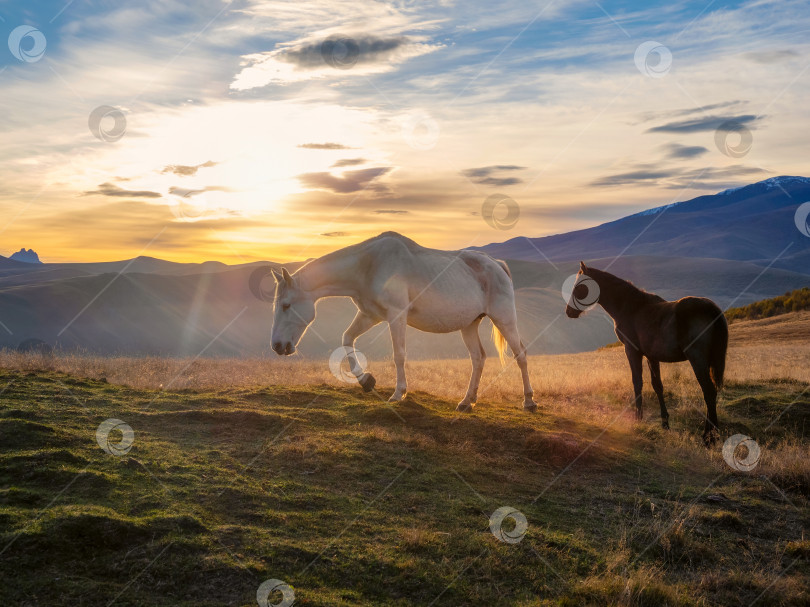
(627, 290)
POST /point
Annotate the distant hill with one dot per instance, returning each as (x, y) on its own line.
(713, 246)
(794, 301)
(754, 223)
(26, 256)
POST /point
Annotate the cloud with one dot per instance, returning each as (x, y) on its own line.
(348, 162)
(676, 150)
(187, 171)
(483, 175)
(350, 181)
(770, 56)
(333, 234)
(110, 189)
(390, 212)
(659, 115)
(698, 125)
(705, 178)
(336, 56)
(188, 193)
(324, 146)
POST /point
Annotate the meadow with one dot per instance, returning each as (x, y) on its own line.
(242, 471)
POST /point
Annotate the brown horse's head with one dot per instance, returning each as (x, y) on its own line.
(584, 294)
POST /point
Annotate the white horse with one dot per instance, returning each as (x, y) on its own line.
(391, 278)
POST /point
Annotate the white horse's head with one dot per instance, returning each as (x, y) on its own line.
(294, 310)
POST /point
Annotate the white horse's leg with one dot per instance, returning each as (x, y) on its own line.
(477, 356)
(508, 329)
(361, 323)
(398, 323)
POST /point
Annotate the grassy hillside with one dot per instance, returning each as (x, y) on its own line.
(354, 502)
(792, 301)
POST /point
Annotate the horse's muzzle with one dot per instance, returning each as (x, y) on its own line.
(572, 312)
(283, 349)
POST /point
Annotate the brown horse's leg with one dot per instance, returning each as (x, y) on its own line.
(634, 358)
(701, 368)
(655, 379)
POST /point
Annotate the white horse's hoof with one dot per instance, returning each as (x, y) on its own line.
(367, 382)
(464, 407)
(396, 398)
(530, 406)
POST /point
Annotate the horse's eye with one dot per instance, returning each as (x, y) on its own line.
(285, 307)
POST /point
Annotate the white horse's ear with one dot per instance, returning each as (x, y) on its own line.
(287, 278)
(582, 266)
(276, 275)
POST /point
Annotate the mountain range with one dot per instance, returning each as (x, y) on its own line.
(736, 247)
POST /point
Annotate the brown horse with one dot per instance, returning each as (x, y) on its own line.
(692, 328)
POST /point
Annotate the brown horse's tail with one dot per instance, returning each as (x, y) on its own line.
(717, 351)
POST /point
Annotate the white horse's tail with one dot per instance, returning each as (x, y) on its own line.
(497, 337)
(500, 343)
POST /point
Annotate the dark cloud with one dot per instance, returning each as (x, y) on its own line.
(324, 146)
(361, 49)
(676, 150)
(632, 178)
(110, 189)
(483, 175)
(678, 178)
(350, 181)
(331, 234)
(348, 162)
(187, 171)
(706, 123)
(389, 212)
(772, 56)
(648, 116)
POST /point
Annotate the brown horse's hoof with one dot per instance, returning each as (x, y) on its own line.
(464, 407)
(367, 382)
(665, 423)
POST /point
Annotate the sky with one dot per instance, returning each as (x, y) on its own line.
(250, 130)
